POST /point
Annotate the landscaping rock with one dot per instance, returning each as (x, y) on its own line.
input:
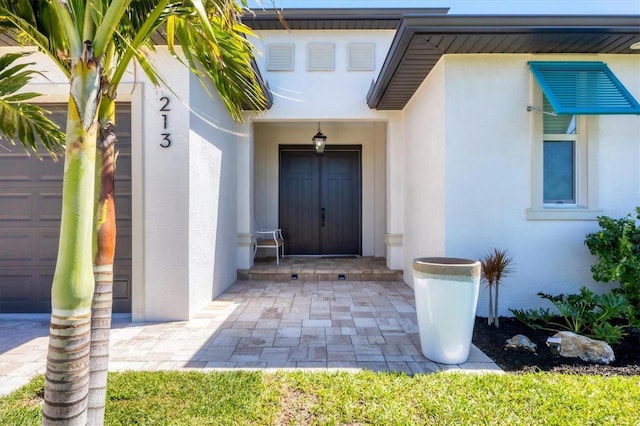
(520, 341)
(575, 346)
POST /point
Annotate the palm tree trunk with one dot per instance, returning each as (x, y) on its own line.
(101, 309)
(67, 372)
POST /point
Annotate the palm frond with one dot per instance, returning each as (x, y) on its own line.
(20, 120)
(40, 24)
(216, 50)
(494, 266)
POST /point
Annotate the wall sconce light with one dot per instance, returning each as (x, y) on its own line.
(319, 141)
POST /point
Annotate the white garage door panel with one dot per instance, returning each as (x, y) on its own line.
(30, 206)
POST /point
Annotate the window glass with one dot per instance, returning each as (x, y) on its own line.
(559, 172)
(557, 124)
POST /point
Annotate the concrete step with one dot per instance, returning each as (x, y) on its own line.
(305, 275)
(355, 268)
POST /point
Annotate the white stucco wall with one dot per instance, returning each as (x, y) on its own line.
(339, 94)
(191, 207)
(424, 171)
(483, 180)
(213, 214)
(166, 196)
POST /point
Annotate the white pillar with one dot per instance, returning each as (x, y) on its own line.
(245, 196)
(395, 192)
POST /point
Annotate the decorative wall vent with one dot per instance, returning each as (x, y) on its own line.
(320, 57)
(360, 56)
(280, 57)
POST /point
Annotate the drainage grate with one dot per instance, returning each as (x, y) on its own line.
(294, 277)
(342, 277)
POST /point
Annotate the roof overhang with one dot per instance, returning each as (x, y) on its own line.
(332, 19)
(422, 40)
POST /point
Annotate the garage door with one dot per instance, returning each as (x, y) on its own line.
(30, 204)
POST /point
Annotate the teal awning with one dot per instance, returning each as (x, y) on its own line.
(583, 88)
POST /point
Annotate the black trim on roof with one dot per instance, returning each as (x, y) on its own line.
(264, 86)
(332, 19)
(421, 40)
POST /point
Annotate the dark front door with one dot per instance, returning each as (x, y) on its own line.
(320, 200)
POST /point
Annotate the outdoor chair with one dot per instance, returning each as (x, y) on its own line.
(269, 239)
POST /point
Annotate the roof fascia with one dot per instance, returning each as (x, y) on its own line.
(342, 13)
(255, 17)
(525, 24)
(395, 54)
(412, 24)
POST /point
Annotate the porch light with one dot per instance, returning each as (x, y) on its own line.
(319, 141)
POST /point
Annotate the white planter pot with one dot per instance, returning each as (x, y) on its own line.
(446, 292)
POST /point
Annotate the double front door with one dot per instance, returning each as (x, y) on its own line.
(320, 200)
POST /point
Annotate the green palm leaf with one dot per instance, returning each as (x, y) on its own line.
(20, 120)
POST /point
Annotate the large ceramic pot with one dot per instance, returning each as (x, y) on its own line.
(446, 292)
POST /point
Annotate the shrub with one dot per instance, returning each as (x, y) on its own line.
(617, 245)
(585, 313)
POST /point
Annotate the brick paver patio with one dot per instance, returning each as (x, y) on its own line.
(256, 324)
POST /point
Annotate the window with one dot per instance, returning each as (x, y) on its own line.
(559, 172)
(562, 167)
(559, 158)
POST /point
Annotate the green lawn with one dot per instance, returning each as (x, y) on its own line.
(301, 398)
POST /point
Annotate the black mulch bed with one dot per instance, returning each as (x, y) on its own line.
(491, 341)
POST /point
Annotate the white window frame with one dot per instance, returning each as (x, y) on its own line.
(585, 169)
(579, 172)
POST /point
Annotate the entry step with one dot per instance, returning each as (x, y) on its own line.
(355, 268)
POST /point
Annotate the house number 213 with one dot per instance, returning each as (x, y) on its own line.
(164, 109)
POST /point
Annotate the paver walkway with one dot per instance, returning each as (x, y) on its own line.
(256, 324)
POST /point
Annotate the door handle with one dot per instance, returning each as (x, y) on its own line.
(322, 216)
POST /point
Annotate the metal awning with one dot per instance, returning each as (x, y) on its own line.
(583, 88)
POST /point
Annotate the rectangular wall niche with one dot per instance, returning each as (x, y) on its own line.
(320, 57)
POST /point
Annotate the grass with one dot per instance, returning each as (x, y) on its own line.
(301, 398)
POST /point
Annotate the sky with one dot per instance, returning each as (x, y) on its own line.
(494, 7)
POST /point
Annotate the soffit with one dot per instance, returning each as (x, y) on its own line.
(422, 40)
(332, 19)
